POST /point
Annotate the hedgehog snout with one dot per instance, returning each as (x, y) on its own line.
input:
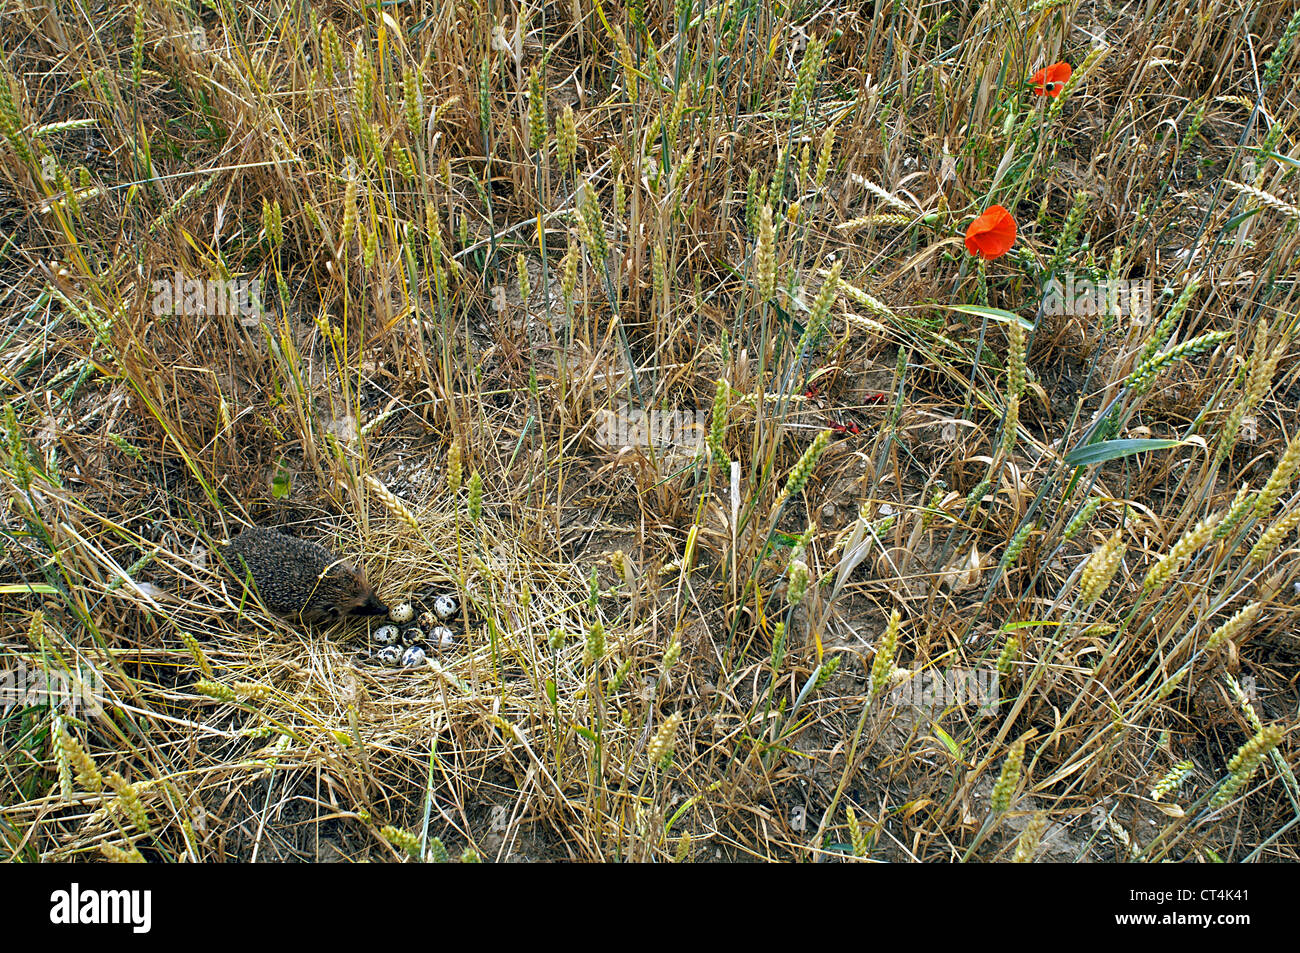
(371, 606)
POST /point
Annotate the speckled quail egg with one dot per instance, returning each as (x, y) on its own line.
(413, 657)
(427, 620)
(402, 612)
(441, 636)
(385, 634)
(412, 634)
(445, 606)
(390, 655)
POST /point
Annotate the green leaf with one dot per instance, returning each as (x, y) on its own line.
(1013, 626)
(784, 539)
(997, 314)
(1113, 449)
(953, 748)
(1238, 219)
(281, 482)
(1281, 158)
(22, 588)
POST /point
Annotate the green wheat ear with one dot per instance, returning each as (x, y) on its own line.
(11, 120)
(595, 641)
(1030, 838)
(1191, 542)
(455, 467)
(765, 256)
(593, 225)
(798, 582)
(437, 851)
(1007, 657)
(83, 765)
(1100, 569)
(1144, 376)
(1274, 535)
(683, 852)
(402, 839)
(718, 424)
(1172, 780)
(137, 47)
(128, 800)
(475, 497)
(660, 751)
(1273, 69)
(412, 103)
(1005, 786)
(751, 201)
(349, 212)
(118, 855)
(525, 285)
(857, 837)
(802, 471)
(1242, 503)
(1246, 762)
(1280, 479)
(537, 131)
(882, 666)
(567, 140)
(1233, 627)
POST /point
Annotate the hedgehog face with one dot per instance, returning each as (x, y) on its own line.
(344, 591)
(369, 604)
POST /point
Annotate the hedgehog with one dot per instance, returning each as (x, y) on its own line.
(300, 579)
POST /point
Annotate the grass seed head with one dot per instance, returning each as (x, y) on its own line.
(803, 470)
(1279, 480)
(1009, 778)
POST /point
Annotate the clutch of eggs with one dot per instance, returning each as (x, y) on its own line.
(445, 606)
(399, 639)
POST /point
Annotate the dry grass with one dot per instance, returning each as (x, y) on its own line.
(665, 655)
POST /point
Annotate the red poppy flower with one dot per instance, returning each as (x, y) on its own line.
(1052, 79)
(992, 234)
